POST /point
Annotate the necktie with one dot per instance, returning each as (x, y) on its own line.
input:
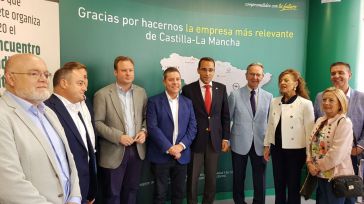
(252, 101)
(208, 98)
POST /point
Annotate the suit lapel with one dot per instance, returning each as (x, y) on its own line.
(116, 102)
(136, 96)
(198, 95)
(166, 106)
(63, 112)
(40, 137)
(245, 95)
(216, 94)
(20, 112)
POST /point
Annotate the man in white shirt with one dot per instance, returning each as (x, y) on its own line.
(68, 103)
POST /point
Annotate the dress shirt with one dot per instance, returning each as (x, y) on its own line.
(87, 118)
(173, 104)
(56, 143)
(73, 109)
(203, 89)
(126, 100)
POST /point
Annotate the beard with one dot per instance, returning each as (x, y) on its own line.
(33, 95)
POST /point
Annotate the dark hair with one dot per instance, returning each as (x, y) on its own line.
(209, 59)
(67, 69)
(169, 70)
(301, 88)
(121, 58)
(340, 63)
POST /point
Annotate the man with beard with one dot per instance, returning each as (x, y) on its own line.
(36, 164)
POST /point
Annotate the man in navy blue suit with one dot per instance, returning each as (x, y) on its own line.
(171, 128)
(70, 84)
(210, 103)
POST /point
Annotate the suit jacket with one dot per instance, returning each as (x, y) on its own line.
(86, 168)
(110, 123)
(297, 122)
(160, 128)
(338, 141)
(28, 167)
(217, 124)
(355, 113)
(247, 128)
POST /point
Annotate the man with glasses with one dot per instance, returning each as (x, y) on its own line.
(69, 85)
(211, 108)
(36, 164)
(249, 107)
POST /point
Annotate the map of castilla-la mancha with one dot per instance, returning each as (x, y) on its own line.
(225, 73)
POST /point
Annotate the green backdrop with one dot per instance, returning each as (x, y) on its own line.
(92, 32)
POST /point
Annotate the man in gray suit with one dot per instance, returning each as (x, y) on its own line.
(120, 113)
(340, 74)
(36, 164)
(249, 107)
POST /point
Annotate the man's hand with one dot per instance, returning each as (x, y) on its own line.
(140, 137)
(91, 202)
(355, 151)
(266, 153)
(176, 150)
(126, 140)
(225, 146)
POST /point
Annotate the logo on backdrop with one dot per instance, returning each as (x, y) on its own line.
(280, 6)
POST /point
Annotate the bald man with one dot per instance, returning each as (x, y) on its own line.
(36, 164)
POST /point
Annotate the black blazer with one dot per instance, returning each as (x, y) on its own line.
(217, 124)
(86, 168)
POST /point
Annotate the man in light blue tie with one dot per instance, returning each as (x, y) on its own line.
(36, 164)
(249, 107)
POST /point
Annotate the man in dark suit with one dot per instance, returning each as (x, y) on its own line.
(69, 88)
(213, 129)
(171, 127)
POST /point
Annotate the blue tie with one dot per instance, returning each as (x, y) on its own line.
(252, 101)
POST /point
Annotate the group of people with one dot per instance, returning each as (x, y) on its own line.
(48, 141)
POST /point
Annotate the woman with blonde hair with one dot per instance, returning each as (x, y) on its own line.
(290, 123)
(329, 147)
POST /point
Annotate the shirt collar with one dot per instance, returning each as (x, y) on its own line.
(349, 92)
(26, 105)
(122, 90)
(250, 89)
(76, 107)
(203, 85)
(170, 98)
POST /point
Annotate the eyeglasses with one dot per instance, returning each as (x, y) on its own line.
(35, 74)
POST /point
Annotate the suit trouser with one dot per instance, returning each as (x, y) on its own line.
(174, 171)
(239, 173)
(287, 169)
(121, 184)
(207, 159)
